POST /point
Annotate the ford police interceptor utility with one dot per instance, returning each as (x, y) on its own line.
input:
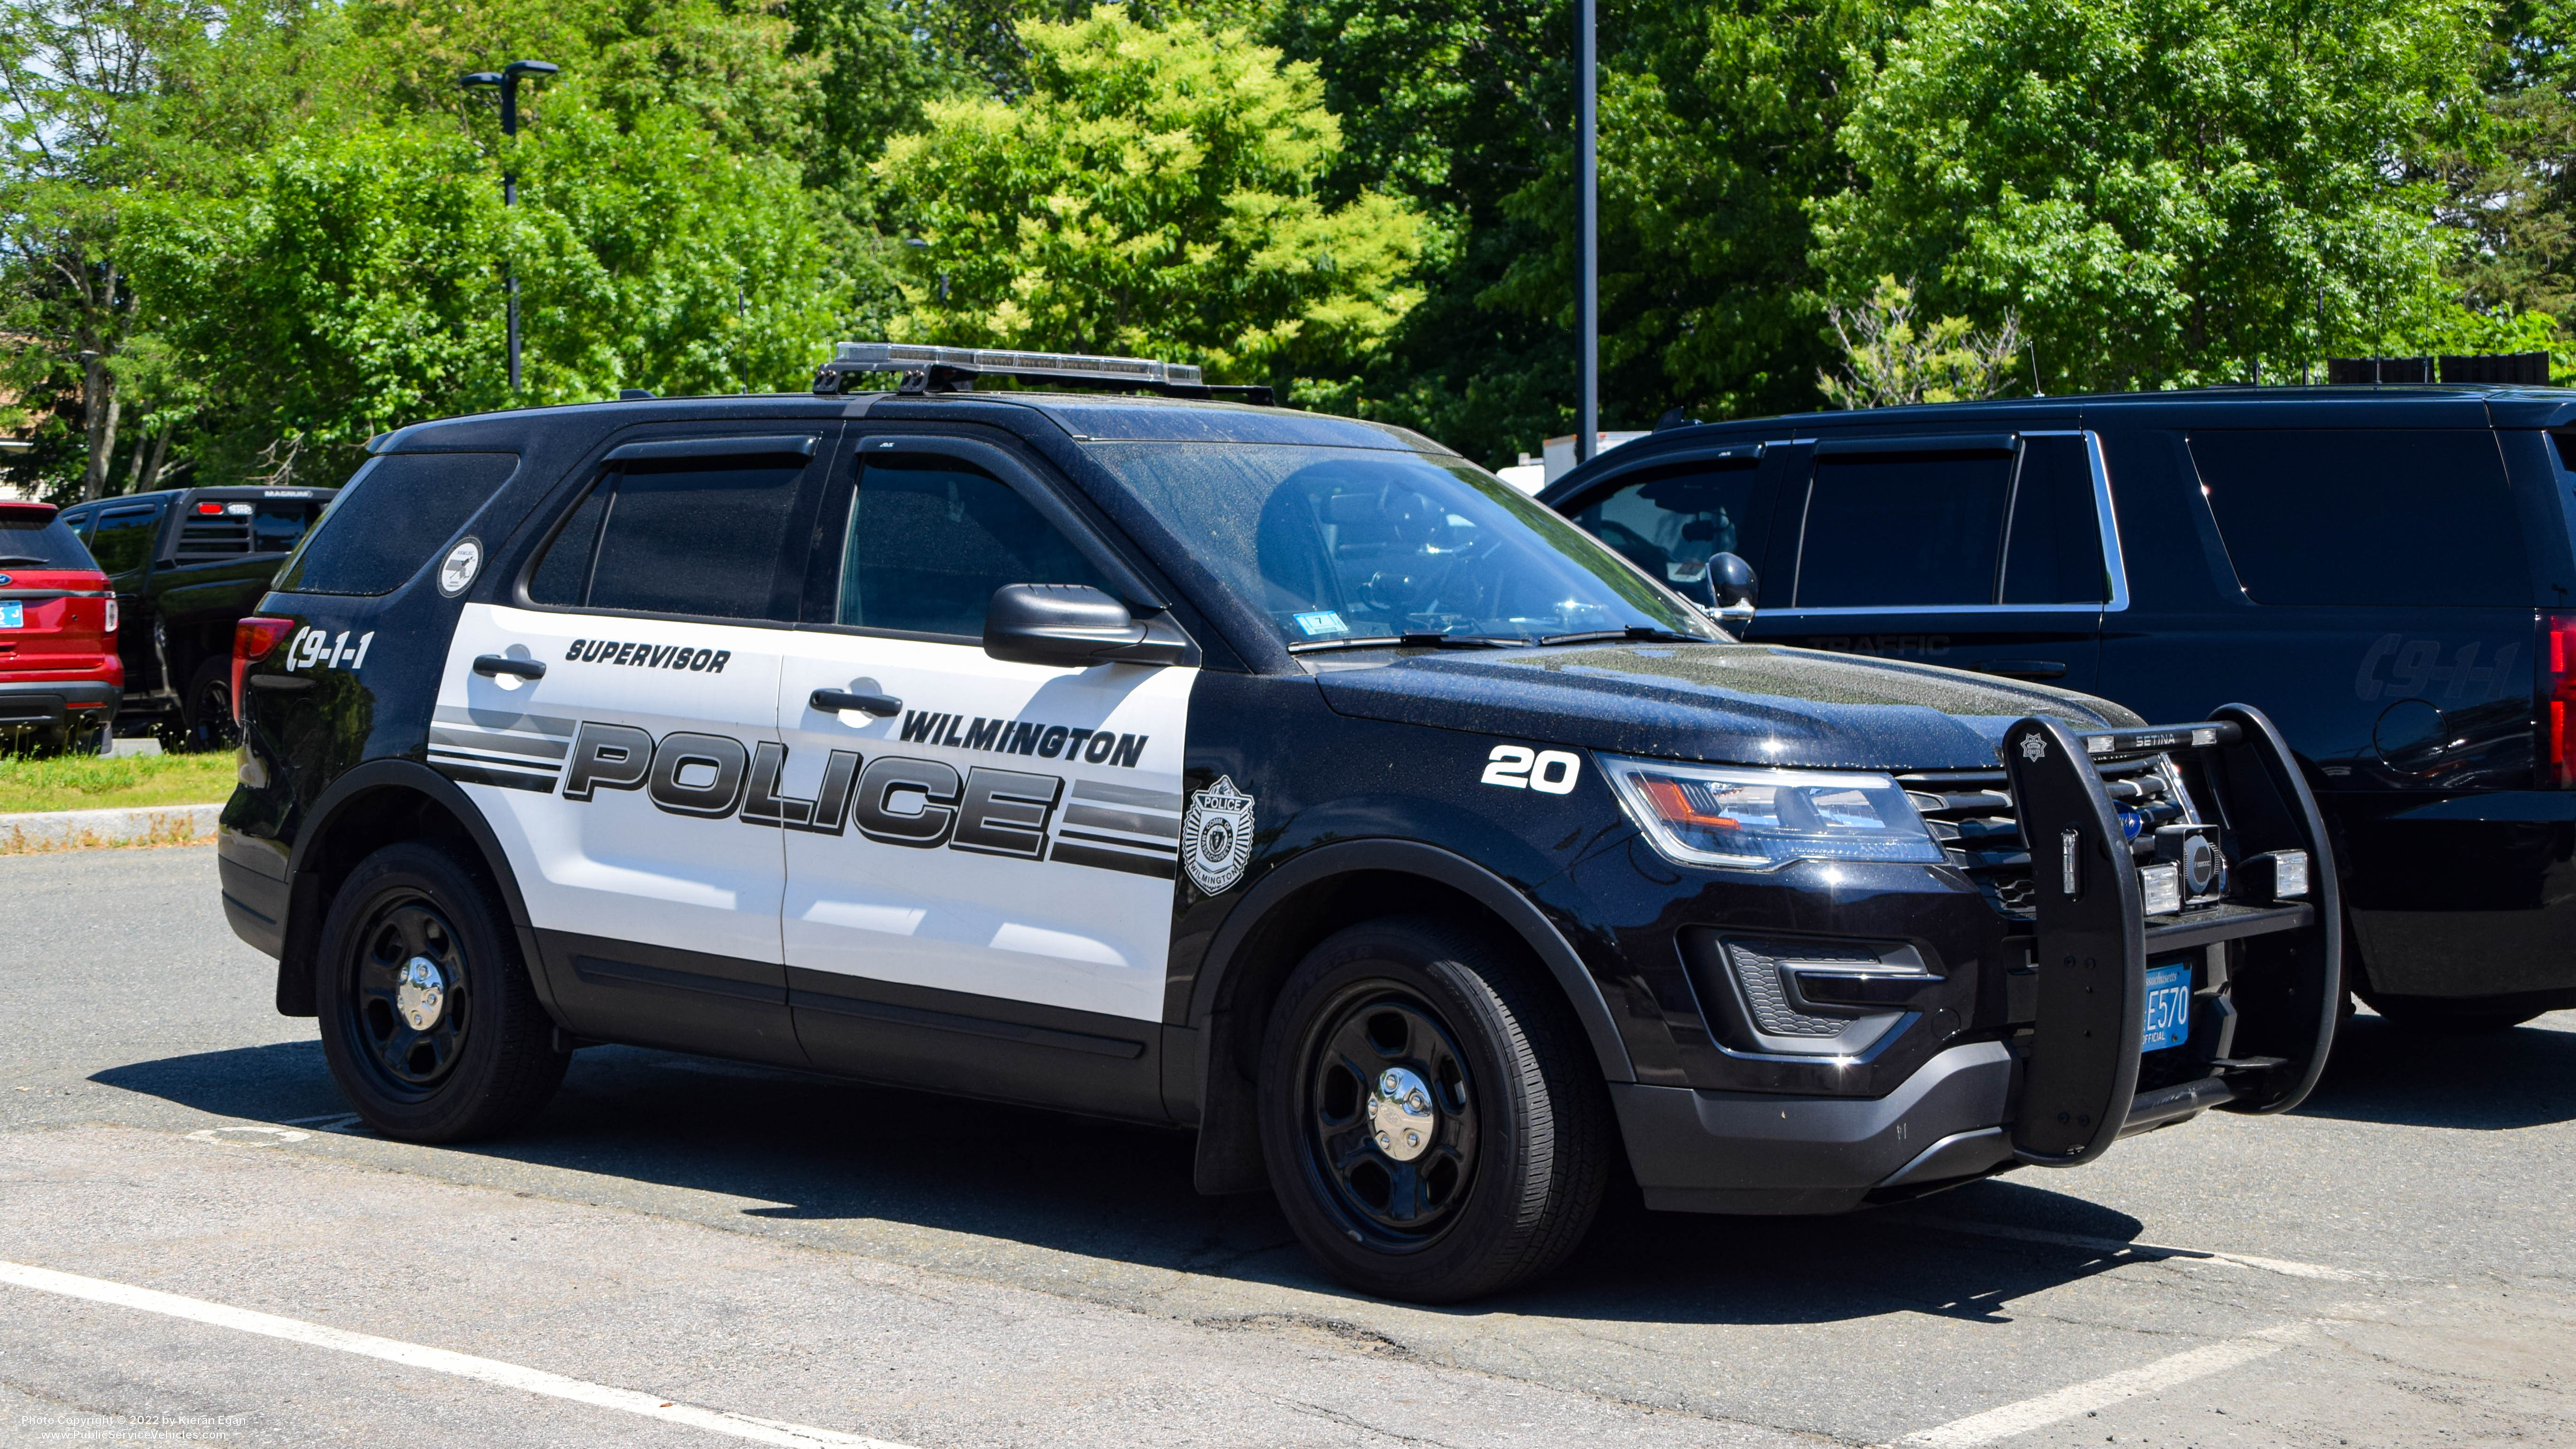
(1134, 751)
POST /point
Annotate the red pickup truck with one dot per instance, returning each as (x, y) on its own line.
(60, 678)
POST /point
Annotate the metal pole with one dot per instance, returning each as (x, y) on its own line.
(510, 197)
(1587, 223)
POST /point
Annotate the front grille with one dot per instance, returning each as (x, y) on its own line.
(1971, 813)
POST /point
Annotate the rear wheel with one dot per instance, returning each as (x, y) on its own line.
(429, 1021)
(206, 710)
(1434, 1124)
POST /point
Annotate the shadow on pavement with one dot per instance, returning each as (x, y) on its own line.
(824, 1150)
(2381, 1072)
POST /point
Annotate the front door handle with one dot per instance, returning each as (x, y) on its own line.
(834, 701)
(2023, 668)
(490, 665)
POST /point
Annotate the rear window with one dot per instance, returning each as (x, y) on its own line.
(215, 530)
(2419, 516)
(29, 541)
(395, 516)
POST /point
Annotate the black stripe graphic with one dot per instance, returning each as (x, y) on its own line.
(1160, 867)
(506, 779)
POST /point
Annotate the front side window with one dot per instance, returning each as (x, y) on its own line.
(702, 537)
(2419, 516)
(929, 540)
(124, 536)
(1672, 523)
(1894, 529)
(1360, 545)
(40, 541)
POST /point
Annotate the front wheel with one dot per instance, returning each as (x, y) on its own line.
(1432, 1118)
(429, 1021)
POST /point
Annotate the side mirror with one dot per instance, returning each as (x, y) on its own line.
(1732, 584)
(1072, 625)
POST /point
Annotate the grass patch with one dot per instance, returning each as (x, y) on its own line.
(94, 782)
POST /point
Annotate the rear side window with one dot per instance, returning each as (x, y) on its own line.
(1671, 523)
(392, 519)
(124, 536)
(2419, 516)
(1904, 528)
(931, 538)
(217, 530)
(2054, 552)
(695, 536)
(40, 541)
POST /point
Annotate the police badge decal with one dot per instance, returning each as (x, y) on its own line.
(1216, 836)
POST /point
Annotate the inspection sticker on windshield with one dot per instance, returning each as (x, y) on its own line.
(2168, 1007)
(13, 615)
(1326, 622)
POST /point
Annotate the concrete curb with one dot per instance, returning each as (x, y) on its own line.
(93, 829)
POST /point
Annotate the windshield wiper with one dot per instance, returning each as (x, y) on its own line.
(1424, 639)
(24, 558)
(1641, 632)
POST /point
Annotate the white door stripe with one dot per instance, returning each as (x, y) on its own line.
(2107, 1390)
(436, 1360)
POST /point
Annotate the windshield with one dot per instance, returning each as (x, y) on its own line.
(28, 540)
(1353, 545)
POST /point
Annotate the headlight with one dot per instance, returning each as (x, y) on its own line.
(1756, 819)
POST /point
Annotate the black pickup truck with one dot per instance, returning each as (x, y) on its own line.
(185, 564)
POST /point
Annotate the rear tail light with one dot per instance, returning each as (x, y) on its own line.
(111, 616)
(253, 639)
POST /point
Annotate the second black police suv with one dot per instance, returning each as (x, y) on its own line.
(1279, 776)
(2385, 571)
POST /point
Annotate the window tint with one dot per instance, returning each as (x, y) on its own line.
(124, 536)
(1671, 523)
(931, 538)
(2054, 555)
(1893, 528)
(215, 530)
(563, 577)
(32, 540)
(2365, 516)
(393, 519)
(699, 536)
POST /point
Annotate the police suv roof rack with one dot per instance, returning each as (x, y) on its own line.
(927, 370)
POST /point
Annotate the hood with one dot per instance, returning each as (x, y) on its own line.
(1721, 703)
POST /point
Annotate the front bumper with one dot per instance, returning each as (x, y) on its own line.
(2073, 1077)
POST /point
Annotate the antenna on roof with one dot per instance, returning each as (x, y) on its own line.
(927, 370)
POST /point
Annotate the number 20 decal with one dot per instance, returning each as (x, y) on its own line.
(1518, 767)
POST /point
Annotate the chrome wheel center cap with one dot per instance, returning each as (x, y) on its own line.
(421, 994)
(1401, 1117)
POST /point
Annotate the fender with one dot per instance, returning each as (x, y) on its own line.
(304, 883)
(1229, 1147)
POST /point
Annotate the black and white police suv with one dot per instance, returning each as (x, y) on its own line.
(1136, 752)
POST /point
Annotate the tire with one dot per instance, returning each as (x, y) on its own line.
(486, 1060)
(206, 710)
(2443, 1016)
(1518, 1142)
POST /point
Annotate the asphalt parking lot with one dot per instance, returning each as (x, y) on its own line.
(689, 1252)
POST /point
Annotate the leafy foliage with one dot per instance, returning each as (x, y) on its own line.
(1891, 362)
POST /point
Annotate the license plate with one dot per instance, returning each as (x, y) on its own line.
(13, 615)
(2168, 1007)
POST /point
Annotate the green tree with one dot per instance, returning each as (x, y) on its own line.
(1156, 192)
(2166, 191)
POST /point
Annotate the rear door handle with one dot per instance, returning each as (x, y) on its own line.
(833, 701)
(489, 665)
(2023, 668)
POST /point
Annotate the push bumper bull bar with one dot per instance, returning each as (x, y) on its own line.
(2281, 989)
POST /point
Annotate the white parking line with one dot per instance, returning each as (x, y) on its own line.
(2144, 1250)
(436, 1360)
(2110, 1389)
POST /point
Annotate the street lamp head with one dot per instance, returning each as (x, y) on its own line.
(518, 68)
(480, 78)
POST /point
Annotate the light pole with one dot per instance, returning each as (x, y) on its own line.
(1587, 241)
(507, 81)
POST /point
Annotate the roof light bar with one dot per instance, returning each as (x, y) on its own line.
(929, 369)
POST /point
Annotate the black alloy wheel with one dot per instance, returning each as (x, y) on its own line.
(1390, 1116)
(207, 722)
(1432, 1116)
(429, 1020)
(410, 995)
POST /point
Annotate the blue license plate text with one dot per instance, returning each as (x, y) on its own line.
(2168, 1007)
